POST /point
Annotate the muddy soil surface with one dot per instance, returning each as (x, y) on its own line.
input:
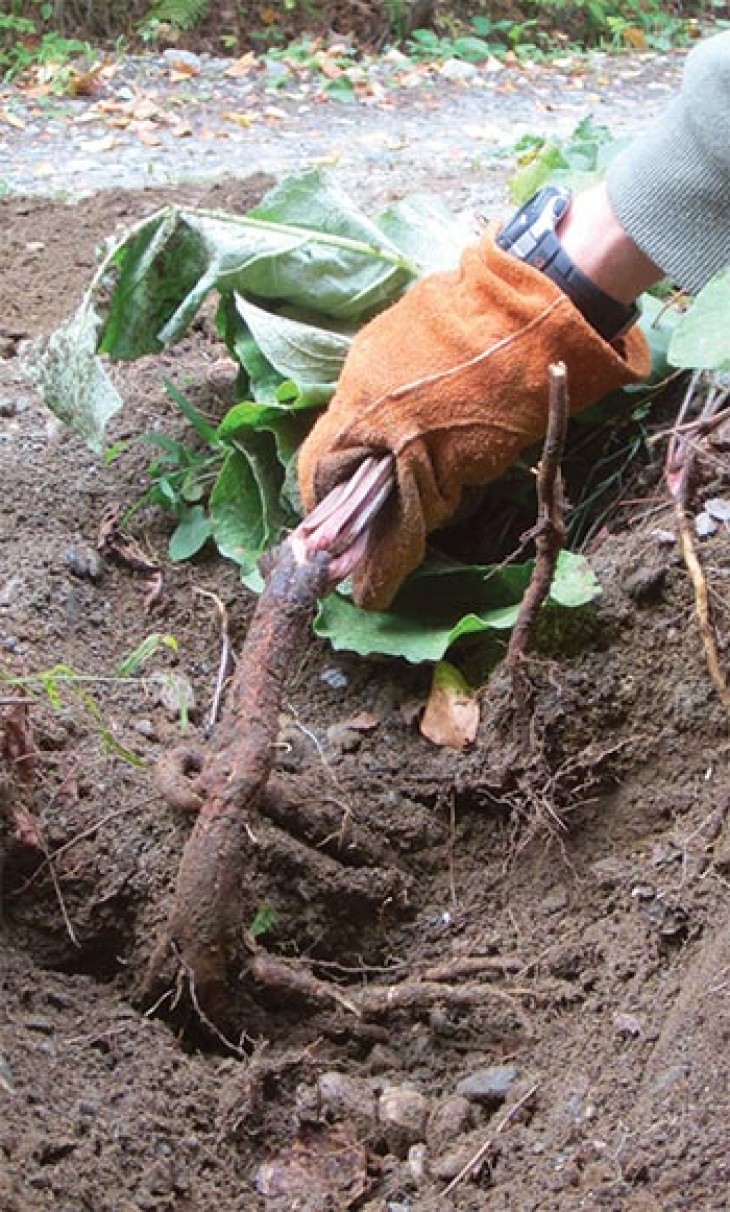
(564, 1044)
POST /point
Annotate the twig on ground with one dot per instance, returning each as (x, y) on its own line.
(475, 1163)
(549, 534)
(59, 897)
(224, 663)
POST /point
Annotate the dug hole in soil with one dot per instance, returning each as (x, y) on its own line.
(577, 1052)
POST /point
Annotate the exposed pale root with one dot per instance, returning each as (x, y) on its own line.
(380, 1000)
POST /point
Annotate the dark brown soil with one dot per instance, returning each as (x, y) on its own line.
(596, 952)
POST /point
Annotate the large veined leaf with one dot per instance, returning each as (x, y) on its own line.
(576, 163)
(308, 248)
(426, 231)
(442, 603)
(701, 339)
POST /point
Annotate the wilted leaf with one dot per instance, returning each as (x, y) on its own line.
(71, 378)
(451, 716)
(326, 1166)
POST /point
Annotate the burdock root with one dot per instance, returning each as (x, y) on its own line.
(205, 927)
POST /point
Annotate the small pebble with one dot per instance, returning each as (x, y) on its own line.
(181, 58)
(705, 525)
(718, 508)
(667, 538)
(176, 694)
(42, 1025)
(628, 1024)
(10, 591)
(334, 678)
(458, 69)
(450, 1119)
(488, 1085)
(416, 1162)
(84, 563)
(554, 901)
(645, 586)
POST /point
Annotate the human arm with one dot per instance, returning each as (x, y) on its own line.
(670, 189)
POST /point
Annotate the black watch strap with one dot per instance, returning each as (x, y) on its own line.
(531, 236)
(609, 317)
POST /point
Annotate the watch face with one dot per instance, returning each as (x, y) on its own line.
(538, 217)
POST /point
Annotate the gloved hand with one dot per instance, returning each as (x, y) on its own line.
(453, 381)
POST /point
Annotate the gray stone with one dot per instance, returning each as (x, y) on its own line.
(458, 69)
(490, 1086)
(146, 728)
(646, 586)
(335, 678)
(174, 57)
(416, 1161)
(84, 563)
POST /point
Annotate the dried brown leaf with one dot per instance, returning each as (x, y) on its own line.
(326, 1165)
(451, 717)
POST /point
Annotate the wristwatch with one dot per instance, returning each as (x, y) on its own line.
(531, 234)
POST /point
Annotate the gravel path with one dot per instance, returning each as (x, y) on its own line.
(164, 119)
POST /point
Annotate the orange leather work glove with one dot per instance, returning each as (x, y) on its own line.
(453, 381)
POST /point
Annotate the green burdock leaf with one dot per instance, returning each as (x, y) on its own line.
(307, 249)
(427, 232)
(441, 603)
(311, 357)
(72, 380)
(246, 509)
(576, 163)
(190, 535)
(701, 339)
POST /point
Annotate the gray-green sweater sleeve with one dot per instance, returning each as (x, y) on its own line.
(671, 187)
